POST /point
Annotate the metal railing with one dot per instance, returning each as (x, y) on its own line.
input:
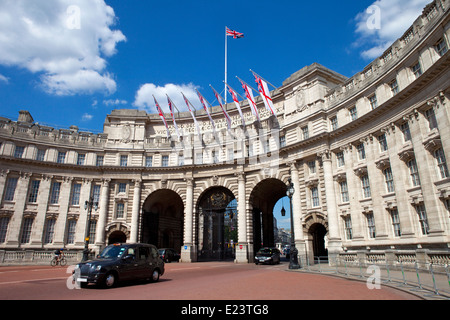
(429, 280)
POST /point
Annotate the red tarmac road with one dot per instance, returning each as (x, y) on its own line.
(196, 281)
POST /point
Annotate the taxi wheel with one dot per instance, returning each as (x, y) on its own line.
(155, 275)
(110, 280)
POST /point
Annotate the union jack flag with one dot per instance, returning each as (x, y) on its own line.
(234, 34)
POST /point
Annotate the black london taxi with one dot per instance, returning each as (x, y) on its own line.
(120, 262)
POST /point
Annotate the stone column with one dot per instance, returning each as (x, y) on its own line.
(299, 238)
(38, 236)
(20, 197)
(334, 242)
(135, 211)
(64, 199)
(188, 252)
(242, 248)
(103, 215)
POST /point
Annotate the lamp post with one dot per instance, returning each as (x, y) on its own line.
(293, 260)
(88, 206)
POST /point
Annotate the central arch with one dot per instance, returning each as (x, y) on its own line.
(162, 220)
(217, 224)
(262, 201)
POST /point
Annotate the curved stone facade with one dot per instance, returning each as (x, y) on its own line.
(367, 156)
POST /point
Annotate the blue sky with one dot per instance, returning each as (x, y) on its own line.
(70, 62)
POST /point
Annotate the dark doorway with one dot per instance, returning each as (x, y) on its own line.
(217, 216)
(318, 232)
(117, 237)
(162, 220)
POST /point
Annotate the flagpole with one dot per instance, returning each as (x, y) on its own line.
(226, 42)
(254, 73)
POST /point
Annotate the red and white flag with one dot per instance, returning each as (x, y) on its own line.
(188, 103)
(251, 100)
(219, 99)
(161, 114)
(171, 106)
(236, 102)
(234, 34)
(203, 101)
(265, 93)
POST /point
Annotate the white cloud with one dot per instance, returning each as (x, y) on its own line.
(4, 79)
(112, 102)
(144, 96)
(65, 42)
(384, 22)
(86, 117)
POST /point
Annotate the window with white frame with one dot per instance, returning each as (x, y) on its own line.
(371, 225)
(344, 191)
(99, 160)
(413, 172)
(334, 123)
(49, 230)
(348, 227)
(122, 187)
(366, 186)
(353, 113)
(123, 160)
(441, 47)
(11, 184)
(305, 132)
(71, 228)
(312, 167)
(394, 87)
(395, 222)
(431, 117)
(373, 101)
(441, 162)
(54, 193)
(61, 157)
(75, 196)
(404, 127)
(40, 155)
(361, 151)
(80, 159)
(389, 179)
(34, 190)
(120, 209)
(417, 69)
(4, 222)
(340, 159)
(148, 161)
(383, 142)
(18, 152)
(423, 219)
(27, 226)
(315, 197)
(165, 161)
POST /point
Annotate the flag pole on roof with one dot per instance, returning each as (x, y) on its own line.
(235, 35)
(219, 99)
(171, 104)
(204, 102)
(189, 105)
(236, 102)
(264, 93)
(250, 98)
(161, 114)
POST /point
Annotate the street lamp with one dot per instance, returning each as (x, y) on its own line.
(293, 260)
(88, 206)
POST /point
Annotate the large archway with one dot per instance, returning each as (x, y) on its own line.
(217, 224)
(262, 200)
(162, 220)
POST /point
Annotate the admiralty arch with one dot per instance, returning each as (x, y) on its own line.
(367, 156)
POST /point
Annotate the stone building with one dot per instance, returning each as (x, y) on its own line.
(367, 156)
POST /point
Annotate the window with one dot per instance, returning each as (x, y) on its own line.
(34, 190)
(199, 155)
(93, 227)
(18, 152)
(11, 185)
(149, 161)
(75, 197)
(40, 155)
(417, 69)
(442, 163)
(373, 101)
(99, 161)
(123, 160)
(181, 160)
(348, 227)
(414, 173)
(353, 113)
(71, 228)
(305, 132)
(61, 157)
(395, 222)
(340, 159)
(49, 230)
(165, 161)
(404, 127)
(361, 151)
(120, 210)
(423, 219)
(54, 193)
(312, 167)
(26, 230)
(4, 221)
(80, 159)
(383, 142)
(96, 193)
(366, 186)
(431, 117)
(315, 197)
(344, 191)
(394, 87)
(230, 154)
(389, 179)
(122, 187)
(371, 225)
(282, 141)
(441, 47)
(334, 123)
